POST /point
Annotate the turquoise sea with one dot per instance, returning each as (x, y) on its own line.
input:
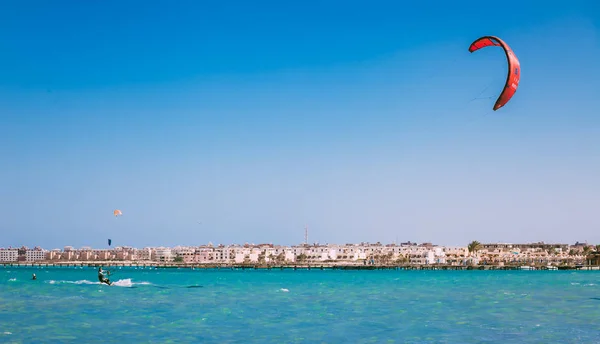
(67, 305)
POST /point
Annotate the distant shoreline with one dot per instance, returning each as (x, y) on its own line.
(304, 266)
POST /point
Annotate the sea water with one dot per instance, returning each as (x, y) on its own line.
(68, 305)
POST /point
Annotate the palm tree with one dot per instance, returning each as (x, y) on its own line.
(402, 259)
(388, 257)
(280, 258)
(261, 258)
(301, 257)
(474, 247)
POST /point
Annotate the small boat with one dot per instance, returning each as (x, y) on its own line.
(526, 267)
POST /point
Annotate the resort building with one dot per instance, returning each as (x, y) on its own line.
(35, 254)
(144, 254)
(9, 255)
(163, 254)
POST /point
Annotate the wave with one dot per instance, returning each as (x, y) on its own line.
(127, 283)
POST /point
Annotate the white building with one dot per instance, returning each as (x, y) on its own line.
(359, 255)
(239, 257)
(9, 255)
(438, 257)
(254, 256)
(36, 254)
(187, 254)
(220, 254)
(289, 256)
(163, 254)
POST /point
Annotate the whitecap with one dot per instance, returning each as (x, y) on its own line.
(123, 283)
(127, 283)
(284, 290)
(73, 282)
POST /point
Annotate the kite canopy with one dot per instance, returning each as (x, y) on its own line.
(109, 242)
(117, 212)
(514, 67)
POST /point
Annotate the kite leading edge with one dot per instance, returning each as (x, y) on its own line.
(514, 67)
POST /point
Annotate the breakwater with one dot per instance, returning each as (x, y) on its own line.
(313, 266)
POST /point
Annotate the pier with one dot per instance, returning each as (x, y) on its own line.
(315, 266)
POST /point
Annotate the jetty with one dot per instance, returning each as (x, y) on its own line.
(304, 266)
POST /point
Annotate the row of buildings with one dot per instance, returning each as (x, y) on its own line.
(363, 253)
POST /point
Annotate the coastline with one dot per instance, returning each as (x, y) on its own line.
(315, 266)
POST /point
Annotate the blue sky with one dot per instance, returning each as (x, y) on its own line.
(256, 118)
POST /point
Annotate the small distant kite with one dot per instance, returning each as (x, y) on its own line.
(117, 212)
(109, 242)
(514, 67)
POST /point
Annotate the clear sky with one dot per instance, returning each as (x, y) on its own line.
(239, 121)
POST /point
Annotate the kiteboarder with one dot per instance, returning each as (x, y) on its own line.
(34, 277)
(101, 277)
